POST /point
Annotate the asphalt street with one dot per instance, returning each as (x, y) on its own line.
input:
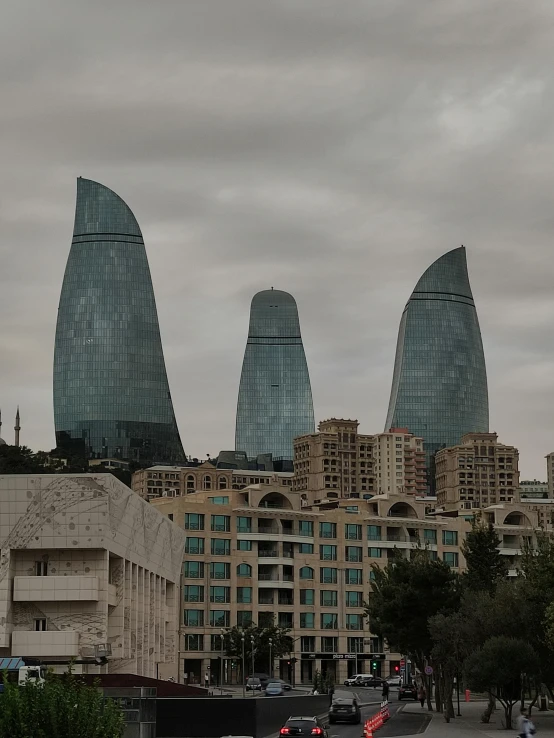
(399, 724)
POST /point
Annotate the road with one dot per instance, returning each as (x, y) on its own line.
(400, 723)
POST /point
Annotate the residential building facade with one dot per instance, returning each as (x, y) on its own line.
(256, 555)
(275, 397)
(439, 388)
(550, 474)
(338, 462)
(111, 393)
(477, 473)
(533, 488)
(88, 570)
(176, 481)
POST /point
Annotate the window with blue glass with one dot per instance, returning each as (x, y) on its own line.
(307, 620)
(244, 570)
(429, 535)
(354, 622)
(354, 599)
(220, 570)
(219, 500)
(305, 528)
(244, 545)
(353, 532)
(194, 545)
(373, 532)
(327, 530)
(306, 572)
(193, 618)
(354, 553)
(193, 569)
(244, 595)
(221, 546)
(193, 642)
(327, 575)
(374, 553)
(220, 618)
(328, 598)
(329, 621)
(220, 594)
(194, 521)
(353, 576)
(193, 593)
(221, 523)
(306, 548)
(450, 537)
(450, 558)
(244, 618)
(328, 553)
(244, 525)
(307, 596)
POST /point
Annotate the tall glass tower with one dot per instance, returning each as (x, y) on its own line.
(275, 398)
(439, 386)
(111, 394)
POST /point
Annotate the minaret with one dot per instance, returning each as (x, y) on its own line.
(17, 427)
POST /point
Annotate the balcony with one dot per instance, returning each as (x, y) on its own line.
(275, 536)
(55, 589)
(51, 643)
(273, 581)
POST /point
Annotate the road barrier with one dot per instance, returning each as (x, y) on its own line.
(377, 720)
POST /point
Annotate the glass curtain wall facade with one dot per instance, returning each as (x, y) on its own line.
(275, 398)
(439, 387)
(111, 393)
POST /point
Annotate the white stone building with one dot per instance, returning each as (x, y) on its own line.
(88, 567)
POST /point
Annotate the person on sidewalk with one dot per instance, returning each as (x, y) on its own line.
(421, 695)
(525, 727)
(385, 692)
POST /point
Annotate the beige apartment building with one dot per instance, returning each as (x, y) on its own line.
(176, 481)
(88, 570)
(339, 462)
(477, 473)
(258, 554)
(550, 473)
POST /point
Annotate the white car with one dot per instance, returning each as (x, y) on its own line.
(394, 680)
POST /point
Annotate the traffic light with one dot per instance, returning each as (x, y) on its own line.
(397, 668)
(374, 664)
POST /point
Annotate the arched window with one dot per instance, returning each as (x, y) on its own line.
(244, 570)
(222, 483)
(190, 483)
(207, 482)
(306, 572)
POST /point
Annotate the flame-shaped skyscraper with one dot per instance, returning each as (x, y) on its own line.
(111, 393)
(439, 387)
(275, 397)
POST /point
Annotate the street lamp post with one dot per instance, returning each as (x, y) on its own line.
(252, 645)
(270, 657)
(221, 664)
(243, 670)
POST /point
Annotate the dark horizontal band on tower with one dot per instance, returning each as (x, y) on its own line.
(105, 233)
(299, 337)
(108, 240)
(441, 299)
(440, 292)
(273, 343)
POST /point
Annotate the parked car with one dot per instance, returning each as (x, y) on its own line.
(394, 680)
(253, 683)
(371, 681)
(304, 726)
(274, 689)
(345, 709)
(407, 691)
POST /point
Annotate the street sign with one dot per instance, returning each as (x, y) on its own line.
(402, 662)
(428, 670)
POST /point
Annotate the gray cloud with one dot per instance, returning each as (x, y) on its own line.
(330, 149)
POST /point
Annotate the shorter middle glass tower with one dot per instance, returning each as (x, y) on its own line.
(275, 397)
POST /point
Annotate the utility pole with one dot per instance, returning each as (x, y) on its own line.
(252, 645)
(270, 657)
(243, 669)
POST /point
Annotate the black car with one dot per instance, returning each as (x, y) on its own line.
(407, 691)
(345, 709)
(372, 682)
(303, 726)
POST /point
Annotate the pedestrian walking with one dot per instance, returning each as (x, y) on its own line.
(206, 680)
(525, 727)
(331, 693)
(385, 692)
(421, 695)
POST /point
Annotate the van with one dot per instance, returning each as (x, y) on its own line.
(356, 679)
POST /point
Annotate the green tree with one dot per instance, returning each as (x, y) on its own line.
(62, 707)
(451, 644)
(498, 667)
(19, 460)
(282, 643)
(404, 595)
(485, 564)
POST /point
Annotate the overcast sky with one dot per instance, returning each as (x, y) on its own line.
(332, 149)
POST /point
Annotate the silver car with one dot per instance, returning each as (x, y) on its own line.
(274, 689)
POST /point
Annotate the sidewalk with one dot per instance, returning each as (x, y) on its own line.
(470, 725)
